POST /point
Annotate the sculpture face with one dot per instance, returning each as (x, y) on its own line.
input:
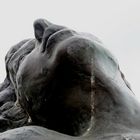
(57, 78)
(51, 80)
(67, 82)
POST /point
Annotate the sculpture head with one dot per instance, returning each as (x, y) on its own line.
(51, 79)
(68, 78)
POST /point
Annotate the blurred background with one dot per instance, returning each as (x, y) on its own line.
(115, 22)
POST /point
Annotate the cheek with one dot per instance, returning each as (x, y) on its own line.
(33, 71)
(32, 64)
(30, 81)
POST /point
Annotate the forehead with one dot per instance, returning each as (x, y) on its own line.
(105, 63)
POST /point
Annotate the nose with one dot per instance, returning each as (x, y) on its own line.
(81, 52)
(84, 54)
(72, 50)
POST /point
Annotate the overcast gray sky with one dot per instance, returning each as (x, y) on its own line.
(115, 22)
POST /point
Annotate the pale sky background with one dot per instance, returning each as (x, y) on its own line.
(115, 22)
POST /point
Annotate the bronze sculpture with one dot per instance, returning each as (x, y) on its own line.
(65, 85)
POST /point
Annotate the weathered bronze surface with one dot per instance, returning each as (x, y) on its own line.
(64, 85)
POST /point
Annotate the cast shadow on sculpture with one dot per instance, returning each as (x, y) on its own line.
(65, 85)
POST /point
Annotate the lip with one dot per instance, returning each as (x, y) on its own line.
(56, 37)
(48, 33)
